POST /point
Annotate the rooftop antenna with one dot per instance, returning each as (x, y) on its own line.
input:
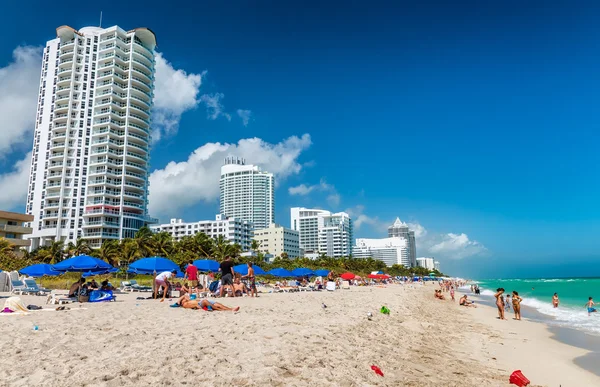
(100, 19)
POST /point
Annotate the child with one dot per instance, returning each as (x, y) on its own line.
(590, 306)
(452, 292)
(507, 303)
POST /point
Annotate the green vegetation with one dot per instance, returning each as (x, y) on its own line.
(198, 246)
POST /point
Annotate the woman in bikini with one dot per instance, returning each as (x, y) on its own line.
(555, 300)
(516, 301)
(500, 303)
(186, 303)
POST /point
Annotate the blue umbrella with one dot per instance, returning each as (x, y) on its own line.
(82, 263)
(152, 265)
(243, 270)
(322, 272)
(206, 265)
(39, 270)
(280, 272)
(302, 272)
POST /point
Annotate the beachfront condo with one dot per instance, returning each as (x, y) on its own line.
(427, 263)
(90, 159)
(323, 232)
(400, 229)
(392, 250)
(233, 229)
(247, 193)
(277, 240)
(13, 228)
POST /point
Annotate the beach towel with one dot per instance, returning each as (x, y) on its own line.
(101, 295)
(14, 305)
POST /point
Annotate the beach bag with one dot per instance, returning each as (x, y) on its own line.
(213, 286)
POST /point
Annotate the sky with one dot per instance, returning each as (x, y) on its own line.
(475, 122)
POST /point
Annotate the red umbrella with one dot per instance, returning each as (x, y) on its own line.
(348, 276)
(379, 276)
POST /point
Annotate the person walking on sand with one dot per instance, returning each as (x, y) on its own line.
(500, 303)
(590, 306)
(191, 276)
(251, 280)
(227, 273)
(516, 301)
(555, 300)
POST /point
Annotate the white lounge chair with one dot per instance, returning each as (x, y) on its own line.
(126, 286)
(345, 285)
(330, 286)
(19, 287)
(136, 287)
(34, 287)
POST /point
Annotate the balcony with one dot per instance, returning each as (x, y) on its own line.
(20, 242)
(16, 229)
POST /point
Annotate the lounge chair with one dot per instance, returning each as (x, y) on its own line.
(32, 285)
(19, 287)
(136, 287)
(126, 286)
(330, 286)
(59, 299)
(345, 285)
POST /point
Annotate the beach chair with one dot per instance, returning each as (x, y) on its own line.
(126, 286)
(330, 286)
(345, 285)
(59, 299)
(139, 288)
(32, 285)
(19, 287)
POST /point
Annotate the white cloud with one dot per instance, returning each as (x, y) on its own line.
(182, 184)
(175, 92)
(304, 189)
(14, 185)
(445, 245)
(214, 107)
(244, 115)
(359, 218)
(334, 199)
(19, 84)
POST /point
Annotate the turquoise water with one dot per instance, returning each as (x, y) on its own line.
(537, 293)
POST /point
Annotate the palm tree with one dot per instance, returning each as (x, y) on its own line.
(52, 254)
(222, 248)
(162, 244)
(204, 244)
(6, 248)
(143, 241)
(81, 246)
(128, 251)
(108, 252)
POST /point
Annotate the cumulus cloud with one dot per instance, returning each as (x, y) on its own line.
(244, 115)
(175, 92)
(214, 107)
(334, 199)
(359, 218)
(19, 84)
(446, 245)
(182, 184)
(304, 189)
(14, 185)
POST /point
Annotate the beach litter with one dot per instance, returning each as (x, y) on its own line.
(369, 316)
(518, 379)
(377, 370)
(385, 310)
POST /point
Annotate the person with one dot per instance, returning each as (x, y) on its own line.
(191, 275)
(452, 293)
(76, 287)
(439, 295)
(500, 303)
(555, 300)
(464, 302)
(251, 280)
(507, 303)
(227, 273)
(93, 285)
(330, 276)
(106, 286)
(516, 301)
(186, 303)
(590, 306)
(239, 289)
(163, 281)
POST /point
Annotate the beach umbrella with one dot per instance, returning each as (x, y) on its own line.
(348, 276)
(280, 272)
(206, 265)
(82, 263)
(152, 265)
(243, 269)
(302, 272)
(322, 272)
(39, 270)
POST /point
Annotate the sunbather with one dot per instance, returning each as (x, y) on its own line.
(74, 289)
(239, 288)
(210, 306)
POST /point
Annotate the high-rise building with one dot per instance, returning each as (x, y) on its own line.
(427, 263)
(400, 229)
(247, 193)
(392, 251)
(234, 230)
(436, 265)
(277, 240)
(323, 232)
(90, 159)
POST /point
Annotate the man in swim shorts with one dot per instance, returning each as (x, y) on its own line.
(590, 306)
(205, 304)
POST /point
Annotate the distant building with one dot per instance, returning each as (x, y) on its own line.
(12, 228)
(247, 193)
(277, 240)
(233, 229)
(323, 232)
(392, 251)
(427, 263)
(400, 229)
(436, 266)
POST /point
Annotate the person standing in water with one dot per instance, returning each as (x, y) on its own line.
(516, 301)
(555, 300)
(500, 303)
(590, 306)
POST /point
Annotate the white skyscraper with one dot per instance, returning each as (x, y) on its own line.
(247, 193)
(323, 232)
(392, 251)
(400, 229)
(90, 160)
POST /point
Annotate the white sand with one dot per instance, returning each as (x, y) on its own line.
(278, 340)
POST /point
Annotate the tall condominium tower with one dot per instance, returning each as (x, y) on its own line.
(247, 193)
(400, 229)
(323, 232)
(90, 160)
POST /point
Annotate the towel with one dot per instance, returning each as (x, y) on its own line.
(15, 304)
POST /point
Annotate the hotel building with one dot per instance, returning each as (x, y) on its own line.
(323, 232)
(400, 229)
(277, 240)
(392, 251)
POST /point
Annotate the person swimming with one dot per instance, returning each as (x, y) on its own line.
(555, 300)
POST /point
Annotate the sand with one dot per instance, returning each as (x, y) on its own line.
(282, 340)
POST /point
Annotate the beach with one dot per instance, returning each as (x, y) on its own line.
(283, 339)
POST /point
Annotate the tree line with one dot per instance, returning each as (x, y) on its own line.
(145, 243)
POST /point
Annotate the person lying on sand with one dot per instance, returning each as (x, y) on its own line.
(186, 303)
(464, 302)
(439, 295)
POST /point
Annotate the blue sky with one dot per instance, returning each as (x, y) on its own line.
(477, 119)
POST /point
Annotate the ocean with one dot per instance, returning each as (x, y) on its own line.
(537, 294)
